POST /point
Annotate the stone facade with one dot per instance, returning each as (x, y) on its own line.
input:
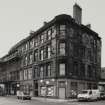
(58, 60)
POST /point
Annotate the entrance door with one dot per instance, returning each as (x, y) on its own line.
(61, 93)
(36, 88)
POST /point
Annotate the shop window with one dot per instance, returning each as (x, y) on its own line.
(62, 69)
(62, 48)
(50, 91)
(43, 91)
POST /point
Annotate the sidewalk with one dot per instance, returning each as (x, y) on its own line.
(43, 99)
(53, 100)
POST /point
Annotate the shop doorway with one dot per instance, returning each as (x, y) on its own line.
(36, 88)
(62, 93)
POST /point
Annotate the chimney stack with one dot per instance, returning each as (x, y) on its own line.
(77, 13)
(88, 25)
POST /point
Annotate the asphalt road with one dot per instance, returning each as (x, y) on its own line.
(14, 101)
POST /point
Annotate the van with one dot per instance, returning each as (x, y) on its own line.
(89, 95)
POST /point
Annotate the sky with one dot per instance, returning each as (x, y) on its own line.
(19, 17)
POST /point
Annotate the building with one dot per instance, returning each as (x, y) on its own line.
(58, 60)
(101, 83)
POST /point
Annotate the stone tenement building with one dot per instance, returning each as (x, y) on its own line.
(62, 57)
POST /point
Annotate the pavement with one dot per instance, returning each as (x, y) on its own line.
(43, 99)
(53, 100)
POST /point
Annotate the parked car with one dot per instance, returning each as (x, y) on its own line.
(23, 95)
(89, 95)
(102, 95)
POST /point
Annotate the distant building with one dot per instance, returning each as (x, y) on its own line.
(58, 60)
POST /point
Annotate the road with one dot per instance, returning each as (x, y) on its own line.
(14, 101)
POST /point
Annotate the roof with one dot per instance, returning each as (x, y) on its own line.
(48, 24)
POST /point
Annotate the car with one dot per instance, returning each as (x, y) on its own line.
(22, 95)
(88, 95)
(102, 95)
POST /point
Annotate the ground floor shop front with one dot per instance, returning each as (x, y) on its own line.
(52, 88)
(63, 88)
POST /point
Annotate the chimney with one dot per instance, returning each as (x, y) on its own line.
(77, 13)
(44, 23)
(88, 25)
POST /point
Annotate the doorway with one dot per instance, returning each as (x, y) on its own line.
(62, 93)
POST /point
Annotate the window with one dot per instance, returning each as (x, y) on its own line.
(25, 75)
(41, 72)
(42, 38)
(53, 32)
(75, 68)
(25, 60)
(62, 30)
(62, 69)
(71, 32)
(48, 70)
(30, 73)
(41, 54)
(36, 42)
(89, 71)
(25, 47)
(76, 51)
(53, 46)
(31, 43)
(48, 51)
(62, 27)
(36, 55)
(62, 49)
(50, 91)
(30, 58)
(36, 72)
(82, 70)
(49, 34)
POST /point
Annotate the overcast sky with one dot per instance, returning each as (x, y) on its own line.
(19, 17)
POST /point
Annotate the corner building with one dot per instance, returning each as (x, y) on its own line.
(58, 60)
